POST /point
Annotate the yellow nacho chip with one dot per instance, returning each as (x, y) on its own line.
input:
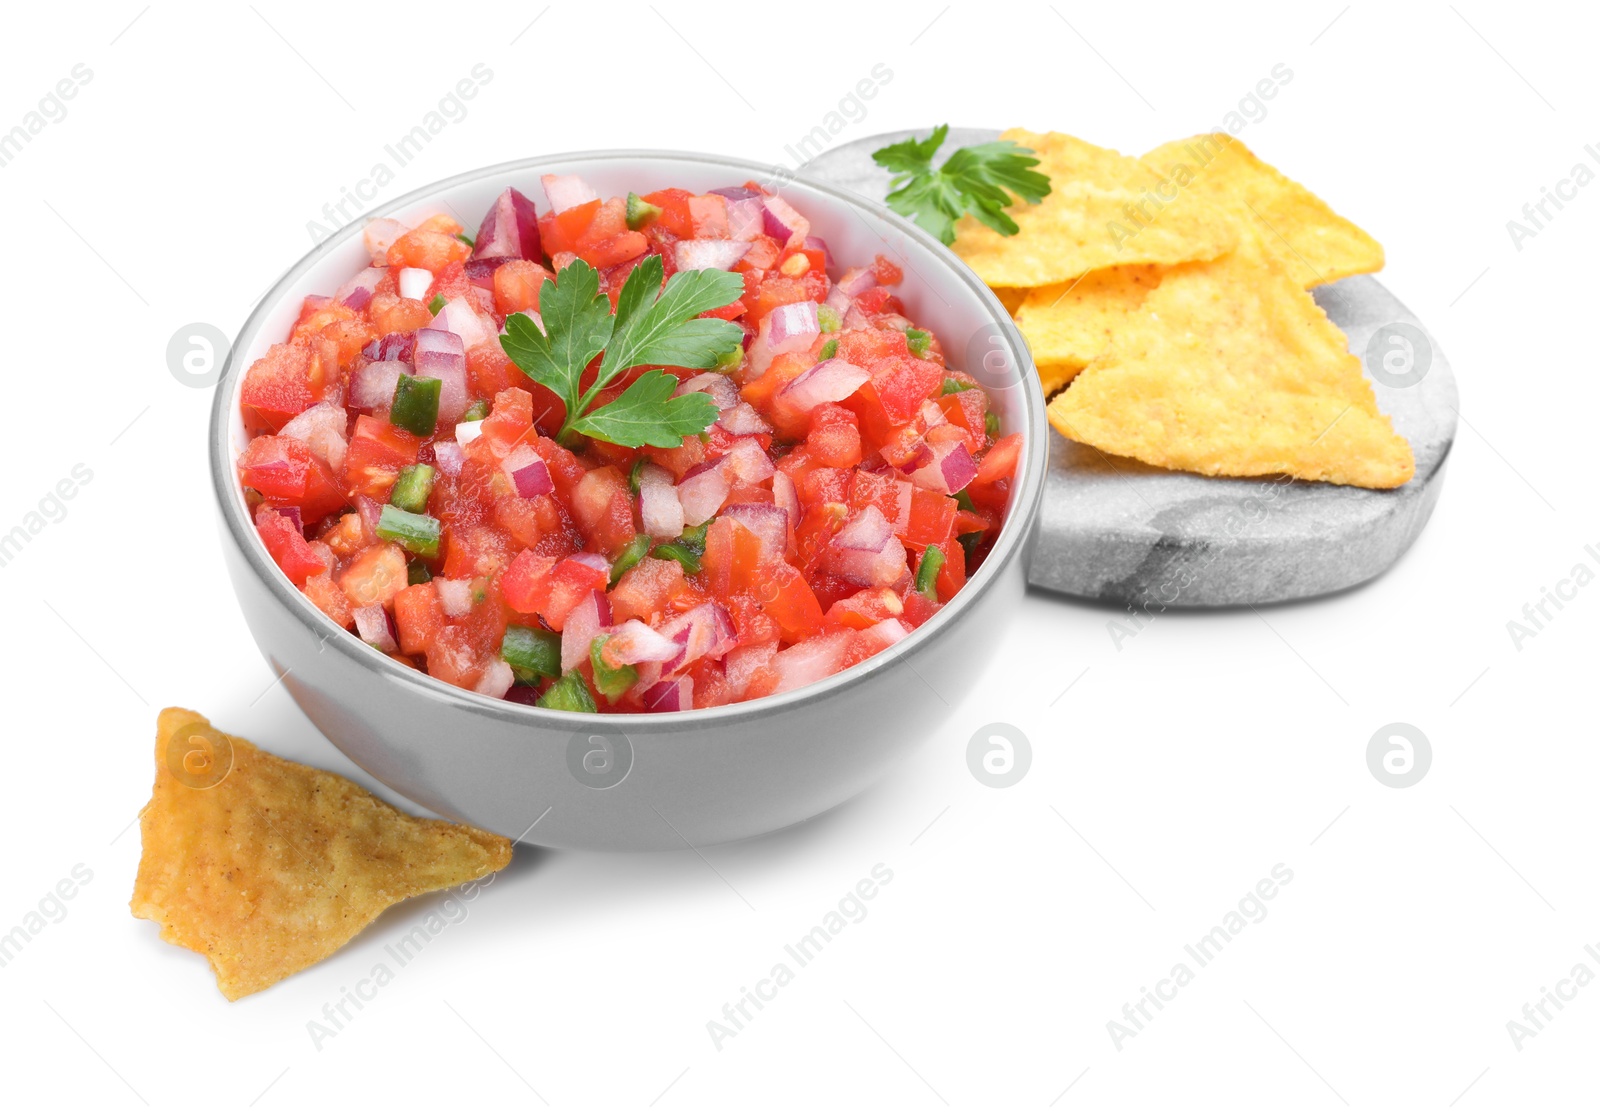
(1088, 220)
(1070, 323)
(1230, 368)
(1011, 297)
(1315, 244)
(266, 866)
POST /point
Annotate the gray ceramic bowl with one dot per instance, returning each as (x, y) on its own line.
(643, 781)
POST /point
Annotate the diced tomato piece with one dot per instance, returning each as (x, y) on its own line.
(347, 536)
(762, 256)
(886, 272)
(472, 551)
(779, 289)
(419, 616)
(526, 582)
(953, 572)
(675, 215)
(376, 454)
(933, 517)
(569, 583)
(865, 608)
(288, 549)
(454, 658)
(1000, 462)
(450, 283)
(603, 508)
(517, 284)
(708, 216)
(825, 484)
(509, 418)
(876, 488)
(732, 561)
(834, 440)
(918, 609)
(289, 379)
(490, 370)
(646, 591)
(389, 313)
(287, 473)
(429, 246)
(326, 596)
(614, 250)
(691, 453)
(751, 622)
(791, 603)
(903, 383)
(865, 346)
(377, 575)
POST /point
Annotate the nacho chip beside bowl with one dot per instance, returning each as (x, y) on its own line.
(1070, 323)
(1314, 243)
(1089, 221)
(1230, 368)
(266, 866)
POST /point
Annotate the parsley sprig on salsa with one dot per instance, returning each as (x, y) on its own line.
(979, 179)
(651, 326)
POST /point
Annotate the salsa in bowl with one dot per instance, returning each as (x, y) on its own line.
(444, 499)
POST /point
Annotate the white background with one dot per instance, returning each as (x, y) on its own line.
(1206, 750)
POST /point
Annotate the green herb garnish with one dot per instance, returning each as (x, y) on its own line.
(980, 179)
(652, 326)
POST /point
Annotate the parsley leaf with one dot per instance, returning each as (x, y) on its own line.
(652, 326)
(647, 413)
(979, 179)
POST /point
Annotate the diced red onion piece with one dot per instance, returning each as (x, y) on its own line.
(528, 472)
(708, 254)
(746, 213)
(670, 695)
(372, 387)
(442, 355)
(746, 462)
(811, 660)
(883, 568)
(838, 301)
(595, 561)
(480, 272)
(448, 457)
(461, 316)
(702, 492)
(379, 235)
(523, 694)
(467, 432)
(743, 419)
(787, 498)
(370, 511)
(902, 521)
(758, 352)
(358, 291)
(583, 625)
(292, 515)
(742, 664)
(496, 680)
(856, 281)
(868, 531)
(792, 327)
(660, 511)
(933, 414)
(782, 222)
(633, 642)
(413, 282)
(373, 626)
(885, 633)
(455, 596)
(567, 191)
(322, 429)
(720, 387)
(944, 468)
(855, 319)
(832, 380)
(509, 230)
(396, 345)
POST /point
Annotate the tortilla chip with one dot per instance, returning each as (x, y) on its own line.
(266, 866)
(1230, 368)
(1070, 323)
(1011, 297)
(1315, 244)
(1089, 221)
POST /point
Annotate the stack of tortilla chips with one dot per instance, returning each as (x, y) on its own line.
(1165, 302)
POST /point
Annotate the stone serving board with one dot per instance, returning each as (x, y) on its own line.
(1115, 529)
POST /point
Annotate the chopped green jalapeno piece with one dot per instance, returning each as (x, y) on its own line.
(674, 550)
(436, 304)
(468, 240)
(970, 542)
(827, 350)
(477, 411)
(991, 425)
(918, 340)
(412, 488)
(828, 319)
(610, 681)
(418, 534)
(928, 572)
(568, 693)
(633, 475)
(631, 554)
(532, 653)
(953, 385)
(416, 404)
(964, 500)
(417, 572)
(640, 212)
(694, 538)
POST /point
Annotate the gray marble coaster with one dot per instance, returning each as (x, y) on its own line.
(1114, 529)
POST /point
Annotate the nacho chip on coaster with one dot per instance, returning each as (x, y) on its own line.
(266, 866)
(1084, 224)
(1070, 323)
(1230, 368)
(1314, 243)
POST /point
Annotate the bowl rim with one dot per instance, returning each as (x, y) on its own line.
(1015, 532)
